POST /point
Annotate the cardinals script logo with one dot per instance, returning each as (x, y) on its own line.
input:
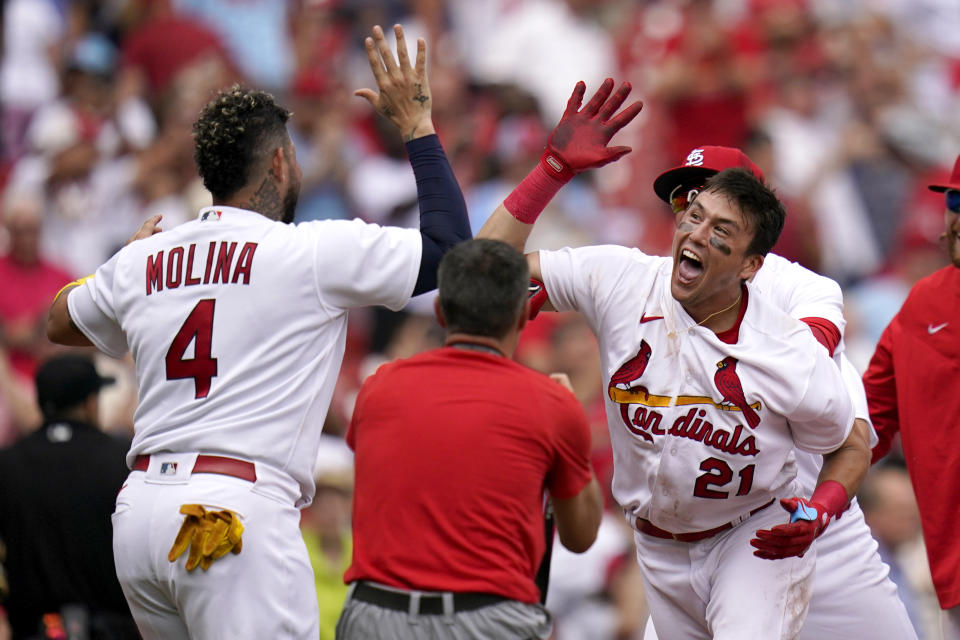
(626, 391)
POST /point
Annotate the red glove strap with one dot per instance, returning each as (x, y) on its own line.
(832, 496)
(554, 164)
(530, 198)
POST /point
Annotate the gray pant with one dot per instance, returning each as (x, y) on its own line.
(508, 620)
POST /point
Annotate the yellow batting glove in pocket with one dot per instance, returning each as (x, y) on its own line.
(208, 534)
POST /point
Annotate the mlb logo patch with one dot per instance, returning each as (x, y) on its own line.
(168, 469)
(206, 215)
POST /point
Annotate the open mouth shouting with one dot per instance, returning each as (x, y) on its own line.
(689, 267)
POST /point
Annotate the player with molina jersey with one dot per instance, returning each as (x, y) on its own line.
(852, 593)
(237, 322)
(709, 390)
(257, 310)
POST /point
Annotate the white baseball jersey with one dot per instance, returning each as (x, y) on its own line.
(852, 595)
(801, 293)
(703, 431)
(237, 325)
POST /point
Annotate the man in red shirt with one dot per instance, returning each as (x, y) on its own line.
(28, 283)
(913, 387)
(454, 448)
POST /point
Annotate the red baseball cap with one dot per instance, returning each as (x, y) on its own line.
(954, 180)
(703, 162)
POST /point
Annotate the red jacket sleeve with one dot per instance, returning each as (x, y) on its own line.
(880, 383)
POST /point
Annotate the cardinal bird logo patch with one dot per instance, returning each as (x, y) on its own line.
(631, 370)
(627, 378)
(728, 384)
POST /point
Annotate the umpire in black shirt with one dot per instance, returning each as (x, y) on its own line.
(57, 491)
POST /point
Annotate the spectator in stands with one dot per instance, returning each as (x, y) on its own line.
(29, 282)
(326, 528)
(890, 510)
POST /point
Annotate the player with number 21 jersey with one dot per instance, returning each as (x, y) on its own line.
(697, 419)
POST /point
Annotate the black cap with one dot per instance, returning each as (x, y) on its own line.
(65, 381)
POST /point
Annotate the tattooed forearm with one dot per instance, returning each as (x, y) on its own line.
(422, 99)
(387, 111)
(266, 200)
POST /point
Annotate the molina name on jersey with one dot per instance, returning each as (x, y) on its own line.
(222, 266)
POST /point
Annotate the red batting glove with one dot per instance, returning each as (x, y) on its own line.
(579, 141)
(808, 520)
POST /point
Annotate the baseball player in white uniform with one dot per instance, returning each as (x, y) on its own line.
(237, 323)
(710, 388)
(852, 593)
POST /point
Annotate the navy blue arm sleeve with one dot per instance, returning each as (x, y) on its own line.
(443, 211)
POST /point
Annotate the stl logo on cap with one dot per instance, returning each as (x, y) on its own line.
(694, 158)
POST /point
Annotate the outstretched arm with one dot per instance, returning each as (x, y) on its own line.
(579, 142)
(404, 98)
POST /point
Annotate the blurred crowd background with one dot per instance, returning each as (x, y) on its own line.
(850, 107)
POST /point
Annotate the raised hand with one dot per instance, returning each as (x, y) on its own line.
(579, 141)
(404, 96)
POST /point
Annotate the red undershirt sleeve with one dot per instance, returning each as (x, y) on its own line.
(825, 332)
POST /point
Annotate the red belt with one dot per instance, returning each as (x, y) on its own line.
(211, 464)
(647, 527)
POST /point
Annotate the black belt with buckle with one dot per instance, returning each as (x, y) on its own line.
(430, 603)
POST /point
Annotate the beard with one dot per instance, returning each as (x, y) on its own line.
(290, 204)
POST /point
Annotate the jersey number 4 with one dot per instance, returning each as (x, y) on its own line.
(197, 328)
(719, 473)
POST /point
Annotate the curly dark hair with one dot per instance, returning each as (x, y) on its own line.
(235, 132)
